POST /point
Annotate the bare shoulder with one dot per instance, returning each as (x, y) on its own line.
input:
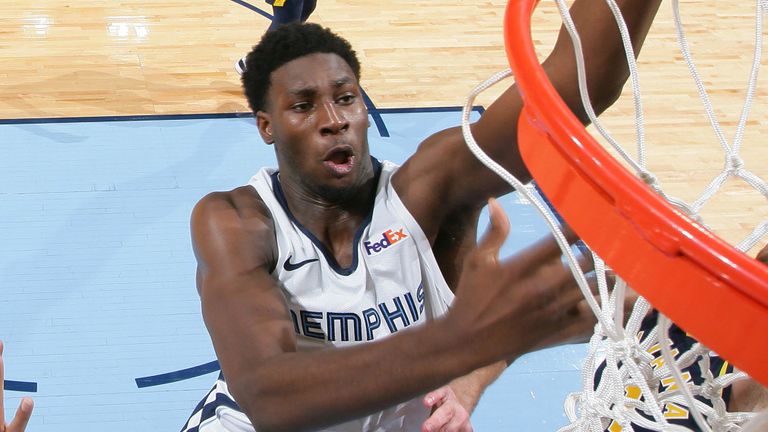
(431, 169)
(242, 202)
(233, 229)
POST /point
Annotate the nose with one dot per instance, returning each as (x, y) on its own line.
(332, 119)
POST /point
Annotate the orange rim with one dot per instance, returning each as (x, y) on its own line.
(705, 285)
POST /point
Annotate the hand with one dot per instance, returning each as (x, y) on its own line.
(20, 420)
(448, 414)
(510, 307)
(762, 256)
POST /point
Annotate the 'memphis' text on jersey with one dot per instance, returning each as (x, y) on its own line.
(396, 313)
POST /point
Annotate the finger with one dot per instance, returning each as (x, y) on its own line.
(2, 387)
(583, 310)
(459, 421)
(19, 423)
(575, 326)
(608, 278)
(435, 397)
(563, 274)
(558, 275)
(497, 232)
(545, 249)
(585, 265)
(439, 419)
(593, 283)
(569, 302)
(569, 234)
(586, 262)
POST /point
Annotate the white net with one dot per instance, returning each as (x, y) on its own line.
(634, 376)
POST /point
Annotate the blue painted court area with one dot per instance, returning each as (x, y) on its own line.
(97, 272)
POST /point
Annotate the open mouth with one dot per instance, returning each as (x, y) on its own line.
(340, 160)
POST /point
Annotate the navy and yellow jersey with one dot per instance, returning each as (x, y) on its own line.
(290, 11)
(681, 342)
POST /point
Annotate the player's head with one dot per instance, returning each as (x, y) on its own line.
(289, 42)
(302, 82)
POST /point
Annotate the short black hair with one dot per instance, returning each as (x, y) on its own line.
(286, 43)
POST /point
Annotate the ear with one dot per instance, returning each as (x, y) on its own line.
(264, 122)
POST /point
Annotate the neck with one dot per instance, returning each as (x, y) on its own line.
(333, 221)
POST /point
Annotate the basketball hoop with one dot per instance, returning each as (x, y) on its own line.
(683, 269)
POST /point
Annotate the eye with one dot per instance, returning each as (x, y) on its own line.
(301, 107)
(346, 99)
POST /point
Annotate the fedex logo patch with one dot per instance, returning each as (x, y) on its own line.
(388, 238)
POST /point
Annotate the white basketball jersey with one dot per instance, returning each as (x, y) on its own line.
(393, 283)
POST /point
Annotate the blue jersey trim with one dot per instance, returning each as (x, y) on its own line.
(280, 196)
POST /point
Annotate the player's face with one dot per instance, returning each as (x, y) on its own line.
(317, 118)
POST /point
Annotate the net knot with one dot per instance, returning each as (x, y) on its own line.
(591, 407)
(734, 163)
(627, 348)
(697, 218)
(619, 415)
(717, 423)
(711, 389)
(648, 178)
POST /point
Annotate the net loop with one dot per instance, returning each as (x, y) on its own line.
(627, 349)
(735, 164)
(648, 178)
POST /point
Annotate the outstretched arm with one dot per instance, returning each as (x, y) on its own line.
(444, 163)
(452, 405)
(23, 413)
(280, 388)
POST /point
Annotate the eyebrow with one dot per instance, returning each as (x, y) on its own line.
(312, 90)
(303, 92)
(342, 81)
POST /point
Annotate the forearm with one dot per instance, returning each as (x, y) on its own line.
(305, 390)
(607, 72)
(604, 53)
(469, 388)
(281, 388)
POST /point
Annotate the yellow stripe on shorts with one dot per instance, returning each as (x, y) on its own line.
(724, 368)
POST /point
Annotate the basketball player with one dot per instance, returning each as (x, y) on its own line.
(745, 395)
(326, 283)
(284, 12)
(20, 420)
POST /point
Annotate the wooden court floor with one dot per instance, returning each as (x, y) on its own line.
(132, 57)
(139, 58)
